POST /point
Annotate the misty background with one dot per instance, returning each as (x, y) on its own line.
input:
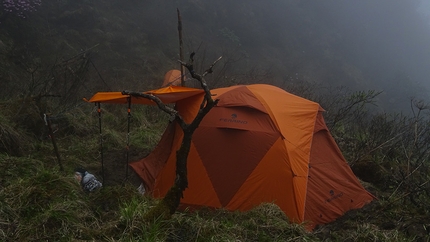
(381, 45)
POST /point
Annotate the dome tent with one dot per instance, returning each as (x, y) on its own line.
(259, 144)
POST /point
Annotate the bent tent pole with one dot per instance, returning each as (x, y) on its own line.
(101, 141)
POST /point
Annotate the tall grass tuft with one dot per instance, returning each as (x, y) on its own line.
(13, 141)
(263, 223)
(45, 205)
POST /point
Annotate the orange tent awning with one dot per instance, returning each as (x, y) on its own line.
(170, 94)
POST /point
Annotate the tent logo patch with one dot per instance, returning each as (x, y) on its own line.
(334, 196)
(233, 119)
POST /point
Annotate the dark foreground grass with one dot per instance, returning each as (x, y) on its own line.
(39, 203)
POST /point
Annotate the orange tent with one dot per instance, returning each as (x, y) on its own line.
(259, 144)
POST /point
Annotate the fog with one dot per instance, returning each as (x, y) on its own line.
(390, 43)
(381, 45)
(424, 8)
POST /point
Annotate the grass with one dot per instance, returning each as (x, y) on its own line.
(38, 202)
(264, 223)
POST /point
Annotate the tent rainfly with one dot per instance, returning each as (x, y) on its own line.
(259, 144)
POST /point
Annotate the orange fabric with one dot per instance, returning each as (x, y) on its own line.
(262, 144)
(187, 107)
(172, 78)
(170, 94)
(333, 189)
(200, 190)
(155, 161)
(220, 155)
(167, 174)
(295, 118)
(236, 97)
(266, 184)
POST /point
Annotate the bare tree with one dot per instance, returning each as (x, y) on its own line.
(168, 205)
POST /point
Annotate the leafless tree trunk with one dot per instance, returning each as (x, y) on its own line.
(168, 205)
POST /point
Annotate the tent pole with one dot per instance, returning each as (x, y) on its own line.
(128, 136)
(181, 55)
(101, 140)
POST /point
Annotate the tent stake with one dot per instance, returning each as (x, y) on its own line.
(128, 136)
(101, 141)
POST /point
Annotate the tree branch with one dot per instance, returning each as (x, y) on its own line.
(172, 199)
(198, 77)
(160, 105)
